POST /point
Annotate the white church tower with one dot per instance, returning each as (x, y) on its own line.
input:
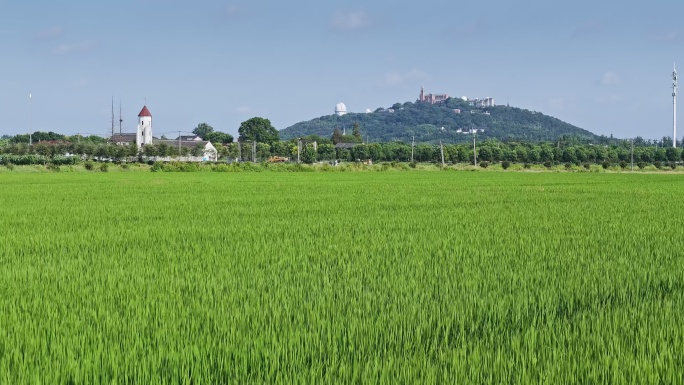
(144, 134)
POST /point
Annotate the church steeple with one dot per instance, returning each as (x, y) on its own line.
(144, 133)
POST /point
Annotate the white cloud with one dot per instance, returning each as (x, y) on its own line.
(349, 21)
(610, 79)
(395, 78)
(66, 48)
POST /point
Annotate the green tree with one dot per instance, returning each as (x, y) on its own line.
(336, 136)
(198, 150)
(203, 130)
(672, 154)
(259, 130)
(326, 151)
(218, 137)
(280, 149)
(356, 131)
(308, 154)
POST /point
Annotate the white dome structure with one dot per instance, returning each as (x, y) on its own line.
(464, 98)
(340, 109)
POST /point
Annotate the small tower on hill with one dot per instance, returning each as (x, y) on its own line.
(144, 134)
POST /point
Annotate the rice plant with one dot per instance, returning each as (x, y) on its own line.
(425, 277)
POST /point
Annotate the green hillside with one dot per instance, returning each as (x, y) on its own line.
(432, 123)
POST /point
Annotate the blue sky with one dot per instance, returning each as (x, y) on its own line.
(604, 67)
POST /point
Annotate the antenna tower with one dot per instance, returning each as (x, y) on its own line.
(120, 118)
(674, 107)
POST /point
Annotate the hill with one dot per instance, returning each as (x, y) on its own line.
(449, 121)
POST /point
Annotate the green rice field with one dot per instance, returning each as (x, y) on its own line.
(327, 278)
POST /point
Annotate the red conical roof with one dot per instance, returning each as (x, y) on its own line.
(144, 112)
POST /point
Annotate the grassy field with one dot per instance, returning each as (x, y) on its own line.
(420, 277)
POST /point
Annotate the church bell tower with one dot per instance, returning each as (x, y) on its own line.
(144, 133)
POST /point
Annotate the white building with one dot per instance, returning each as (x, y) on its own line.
(144, 132)
(482, 103)
(340, 109)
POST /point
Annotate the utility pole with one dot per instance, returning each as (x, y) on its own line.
(632, 141)
(674, 107)
(413, 144)
(299, 149)
(441, 148)
(239, 150)
(179, 145)
(120, 118)
(474, 150)
(254, 151)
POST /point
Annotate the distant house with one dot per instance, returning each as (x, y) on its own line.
(123, 139)
(188, 138)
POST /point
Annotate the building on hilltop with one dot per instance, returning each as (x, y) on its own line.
(482, 103)
(431, 98)
(340, 109)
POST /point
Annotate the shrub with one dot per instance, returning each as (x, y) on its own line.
(548, 164)
(9, 166)
(658, 164)
(527, 166)
(124, 166)
(641, 165)
(89, 166)
(484, 164)
(53, 167)
(151, 163)
(412, 164)
(623, 164)
(587, 166)
(568, 166)
(505, 164)
(673, 165)
(605, 164)
(156, 166)
(104, 167)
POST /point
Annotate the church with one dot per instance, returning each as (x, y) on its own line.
(143, 136)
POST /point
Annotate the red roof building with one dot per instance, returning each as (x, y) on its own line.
(144, 112)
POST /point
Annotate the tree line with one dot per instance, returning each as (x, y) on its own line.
(258, 140)
(312, 149)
